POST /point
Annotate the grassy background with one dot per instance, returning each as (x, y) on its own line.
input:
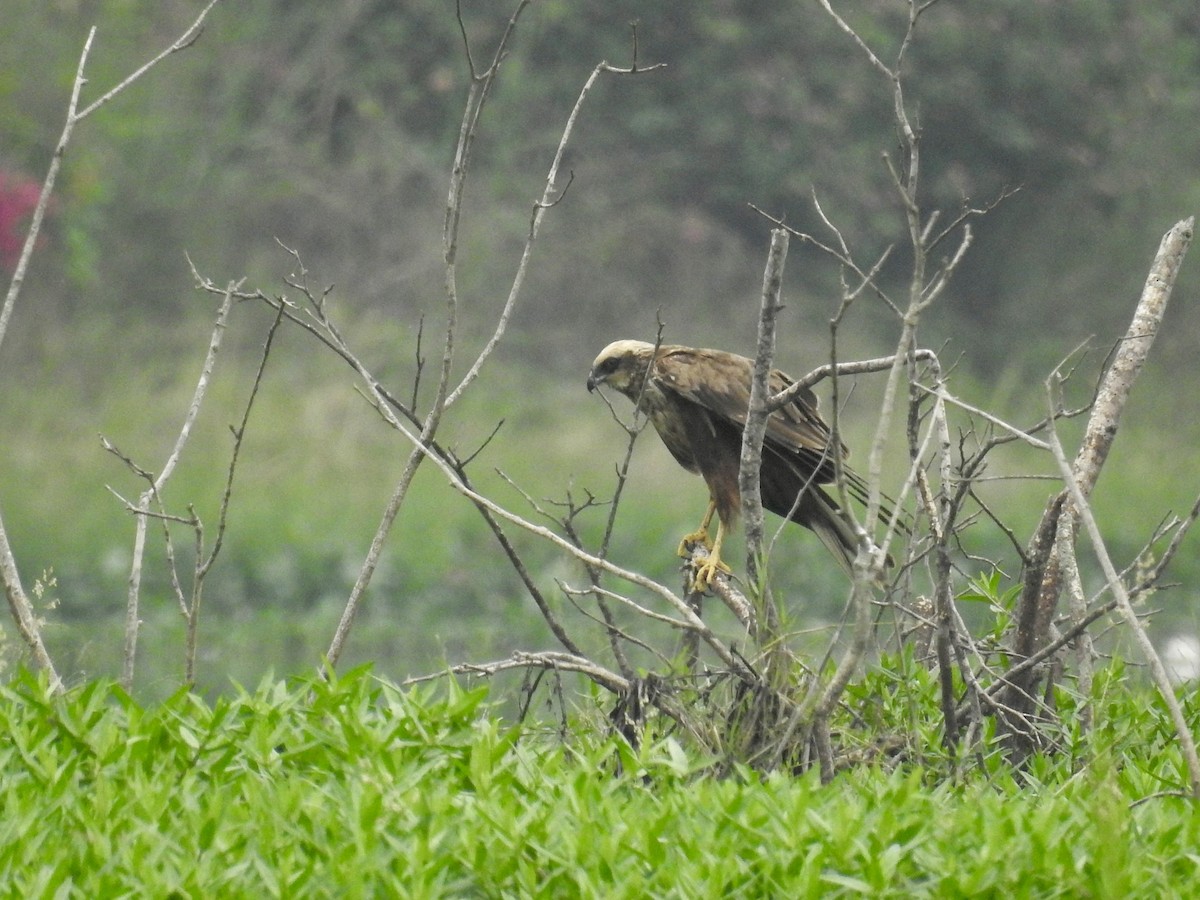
(317, 469)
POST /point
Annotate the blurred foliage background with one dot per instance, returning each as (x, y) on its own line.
(330, 126)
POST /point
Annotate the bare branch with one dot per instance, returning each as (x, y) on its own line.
(1118, 380)
(758, 412)
(204, 563)
(870, 54)
(547, 201)
(1077, 606)
(1013, 430)
(367, 570)
(457, 482)
(185, 40)
(831, 370)
(842, 255)
(481, 86)
(627, 602)
(22, 612)
(734, 599)
(565, 662)
(39, 211)
(154, 491)
(1181, 531)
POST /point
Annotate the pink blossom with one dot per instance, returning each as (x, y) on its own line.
(18, 197)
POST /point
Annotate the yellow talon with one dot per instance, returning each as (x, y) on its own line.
(706, 571)
(709, 567)
(699, 536)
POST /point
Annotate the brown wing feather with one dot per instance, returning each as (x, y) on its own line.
(720, 383)
(797, 438)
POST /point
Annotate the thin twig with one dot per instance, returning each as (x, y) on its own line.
(39, 211)
(205, 563)
(185, 40)
(1162, 680)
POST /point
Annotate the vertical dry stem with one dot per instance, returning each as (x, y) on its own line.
(154, 491)
(23, 614)
(752, 437)
(481, 85)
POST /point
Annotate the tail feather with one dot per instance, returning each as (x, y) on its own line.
(789, 491)
(818, 512)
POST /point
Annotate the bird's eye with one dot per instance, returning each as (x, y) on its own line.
(609, 365)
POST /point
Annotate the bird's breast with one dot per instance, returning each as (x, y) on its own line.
(668, 422)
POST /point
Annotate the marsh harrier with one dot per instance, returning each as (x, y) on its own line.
(697, 401)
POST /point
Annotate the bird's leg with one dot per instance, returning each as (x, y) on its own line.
(707, 568)
(700, 535)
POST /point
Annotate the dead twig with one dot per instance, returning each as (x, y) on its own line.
(1162, 680)
(153, 493)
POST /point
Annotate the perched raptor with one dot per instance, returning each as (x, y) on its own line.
(697, 401)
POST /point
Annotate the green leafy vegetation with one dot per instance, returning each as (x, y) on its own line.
(358, 789)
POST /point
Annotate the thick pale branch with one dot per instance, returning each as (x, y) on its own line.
(1047, 574)
(1131, 355)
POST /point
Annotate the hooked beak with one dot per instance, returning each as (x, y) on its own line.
(592, 382)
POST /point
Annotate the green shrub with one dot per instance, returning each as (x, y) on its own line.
(357, 788)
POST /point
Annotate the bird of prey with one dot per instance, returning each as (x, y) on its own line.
(697, 401)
